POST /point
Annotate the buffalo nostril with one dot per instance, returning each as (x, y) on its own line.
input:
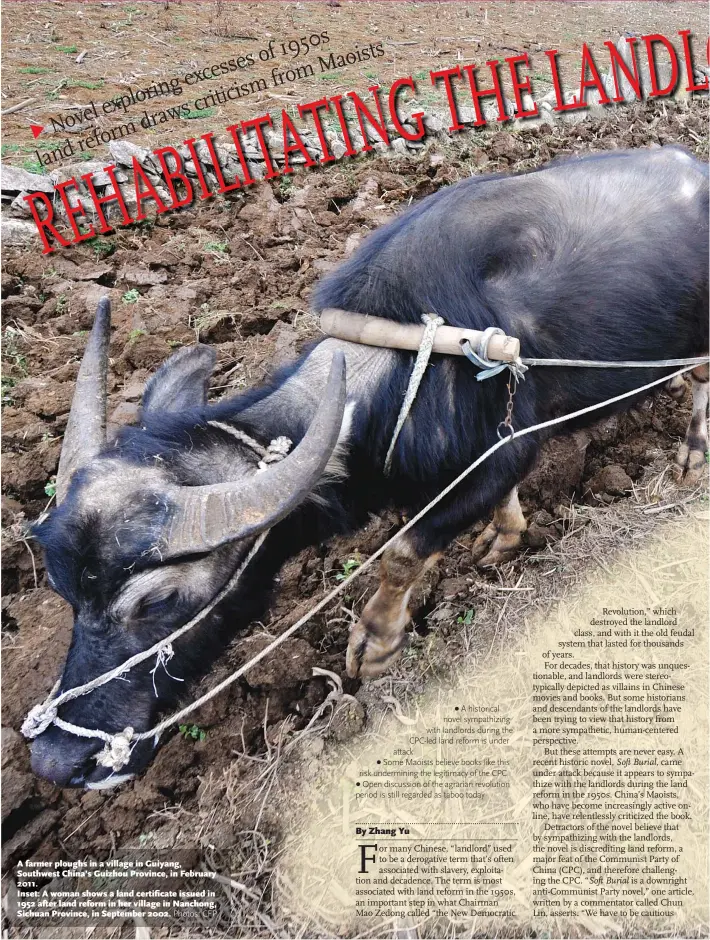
(46, 763)
(62, 760)
(82, 771)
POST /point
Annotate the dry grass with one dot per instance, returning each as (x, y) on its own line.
(610, 557)
(291, 870)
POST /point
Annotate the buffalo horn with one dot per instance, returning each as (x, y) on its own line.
(208, 516)
(85, 434)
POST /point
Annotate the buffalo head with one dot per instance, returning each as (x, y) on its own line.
(148, 529)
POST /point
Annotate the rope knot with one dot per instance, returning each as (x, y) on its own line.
(117, 751)
(479, 357)
(277, 450)
(162, 659)
(38, 719)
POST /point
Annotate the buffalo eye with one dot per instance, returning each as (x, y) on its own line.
(146, 595)
(149, 606)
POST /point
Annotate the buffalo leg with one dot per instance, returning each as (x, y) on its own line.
(690, 461)
(502, 538)
(378, 638)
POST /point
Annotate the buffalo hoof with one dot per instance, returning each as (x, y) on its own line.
(690, 464)
(676, 388)
(495, 546)
(370, 653)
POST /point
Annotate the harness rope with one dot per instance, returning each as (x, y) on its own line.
(116, 754)
(617, 364)
(43, 715)
(517, 368)
(431, 325)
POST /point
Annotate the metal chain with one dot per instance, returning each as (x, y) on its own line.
(507, 424)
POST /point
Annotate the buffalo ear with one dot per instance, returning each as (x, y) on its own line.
(182, 381)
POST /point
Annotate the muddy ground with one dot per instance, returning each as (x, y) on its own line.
(239, 274)
(133, 45)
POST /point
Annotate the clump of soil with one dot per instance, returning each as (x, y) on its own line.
(238, 273)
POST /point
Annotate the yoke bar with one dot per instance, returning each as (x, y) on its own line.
(376, 331)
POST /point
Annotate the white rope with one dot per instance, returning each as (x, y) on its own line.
(617, 363)
(43, 715)
(163, 658)
(276, 451)
(518, 367)
(431, 325)
(115, 751)
(240, 435)
(36, 721)
(84, 732)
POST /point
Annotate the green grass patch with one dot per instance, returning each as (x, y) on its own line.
(11, 339)
(131, 297)
(193, 115)
(33, 166)
(34, 70)
(7, 383)
(192, 732)
(68, 49)
(146, 225)
(83, 83)
(348, 567)
(102, 248)
(18, 148)
(12, 355)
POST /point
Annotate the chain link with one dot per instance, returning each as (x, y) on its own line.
(507, 424)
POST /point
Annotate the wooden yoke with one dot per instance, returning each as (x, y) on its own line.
(376, 331)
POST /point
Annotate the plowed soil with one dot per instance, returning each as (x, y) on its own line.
(134, 45)
(238, 274)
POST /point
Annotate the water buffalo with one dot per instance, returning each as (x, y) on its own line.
(599, 257)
